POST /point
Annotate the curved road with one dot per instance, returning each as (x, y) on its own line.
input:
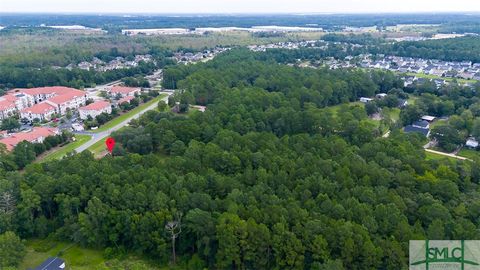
(101, 135)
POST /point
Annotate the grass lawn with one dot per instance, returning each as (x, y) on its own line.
(334, 109)
(393, 113)
(438, 122)
(127, 115)
(412, 99)
(76, 257)
(62, 151)
(98, 147)
(469, 153)
(434, 156)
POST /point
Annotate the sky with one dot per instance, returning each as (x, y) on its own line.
(238, 6)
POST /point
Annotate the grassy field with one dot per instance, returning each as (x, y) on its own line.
(469, 153)
(127, 115)
(76, 257)
(412, 99)
(62, 151)
(434, 156)
(438, 122)
(393, 113)
(98, 148)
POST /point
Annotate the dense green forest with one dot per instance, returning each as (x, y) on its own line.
(77, 78)
(269, 177)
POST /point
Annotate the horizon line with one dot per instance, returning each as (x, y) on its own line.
(239, 13)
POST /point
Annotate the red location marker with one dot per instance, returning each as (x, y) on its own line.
(110, 142)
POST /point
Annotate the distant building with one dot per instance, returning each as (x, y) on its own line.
(38, 102)
(126, 99)
(7, 109)
(124, 91)
(36, 135)
(71, 100)
(428, 118)
(41, 111)
(381, 95)
(471, 143)
(421, 126)
(365, 99)
(52, 263)
(95, 109)
(424, 131)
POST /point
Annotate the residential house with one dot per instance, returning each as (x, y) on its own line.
(41, 111)
(38, 102)
(380, 96)
(365, 99)
(72, 100)
(7, 109)
(95, 109)
(124, 91)
(428, 118)
(42, 93)
(471, 143)
(126, 99)
(421, 126)
(466, 75)
(52, 263)
(36, 135)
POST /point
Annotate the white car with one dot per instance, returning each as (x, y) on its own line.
(77, 127)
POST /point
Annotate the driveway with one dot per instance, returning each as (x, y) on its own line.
(101, 135)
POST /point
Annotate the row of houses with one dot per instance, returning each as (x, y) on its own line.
(117, 63)
(449, 69)
(189, 57)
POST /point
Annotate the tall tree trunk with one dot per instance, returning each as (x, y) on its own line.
(173, 250)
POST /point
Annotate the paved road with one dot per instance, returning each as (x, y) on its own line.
(101, 135)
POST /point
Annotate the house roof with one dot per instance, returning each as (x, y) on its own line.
(471, 142)
(67, 96)
(6, 104)
(428, 118)
(52, 263)
(39, 108)
(123, 90)
(125, 99)
(410, 128)
(59, 90)
(96, 106)
(37, 132)
(421, 123)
